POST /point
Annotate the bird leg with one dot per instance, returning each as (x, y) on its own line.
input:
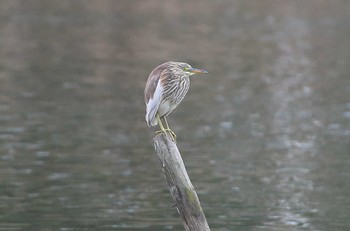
(165, 130)
(162, 129)
(168, 129)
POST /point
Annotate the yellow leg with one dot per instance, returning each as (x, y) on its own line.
(173, 135)
(166, 123)
(165, 129)
(160, 124)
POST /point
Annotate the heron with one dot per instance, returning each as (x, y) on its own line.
(166, 87)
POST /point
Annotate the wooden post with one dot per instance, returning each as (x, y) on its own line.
(181, 188)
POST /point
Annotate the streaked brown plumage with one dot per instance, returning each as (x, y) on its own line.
(166, 87)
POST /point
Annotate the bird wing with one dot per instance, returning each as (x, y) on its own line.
(153, 105)
(153, 96)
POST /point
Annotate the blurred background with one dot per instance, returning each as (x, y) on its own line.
(265, 136)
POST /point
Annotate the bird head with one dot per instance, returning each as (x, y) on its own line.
(186, 69)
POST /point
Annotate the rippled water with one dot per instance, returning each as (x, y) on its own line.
(265, 136)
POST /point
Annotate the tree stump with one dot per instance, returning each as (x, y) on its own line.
(181, 188)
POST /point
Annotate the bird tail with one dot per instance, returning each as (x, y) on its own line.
(151, 119)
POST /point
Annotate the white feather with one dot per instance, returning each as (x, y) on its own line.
(153, 105)
(166, 107)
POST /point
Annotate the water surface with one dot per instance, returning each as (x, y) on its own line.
(265, 136)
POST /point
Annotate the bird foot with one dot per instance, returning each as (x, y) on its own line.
(168, 131)
(172, 134)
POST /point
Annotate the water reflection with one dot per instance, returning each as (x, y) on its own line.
(265, 136)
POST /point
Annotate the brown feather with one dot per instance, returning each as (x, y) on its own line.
(152, 81)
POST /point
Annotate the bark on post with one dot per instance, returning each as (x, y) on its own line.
(181, 188)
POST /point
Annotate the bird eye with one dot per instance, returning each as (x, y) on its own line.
(186, 68)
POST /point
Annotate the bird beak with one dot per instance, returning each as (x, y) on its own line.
(198, 71)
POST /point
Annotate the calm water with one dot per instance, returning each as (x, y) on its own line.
(265, 136)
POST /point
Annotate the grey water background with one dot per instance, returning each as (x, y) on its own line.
(265, 136)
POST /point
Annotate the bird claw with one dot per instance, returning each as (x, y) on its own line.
(170, 132)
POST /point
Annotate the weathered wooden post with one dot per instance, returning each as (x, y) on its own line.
(181, 188)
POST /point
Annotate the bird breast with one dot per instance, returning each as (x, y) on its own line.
(174, 92)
